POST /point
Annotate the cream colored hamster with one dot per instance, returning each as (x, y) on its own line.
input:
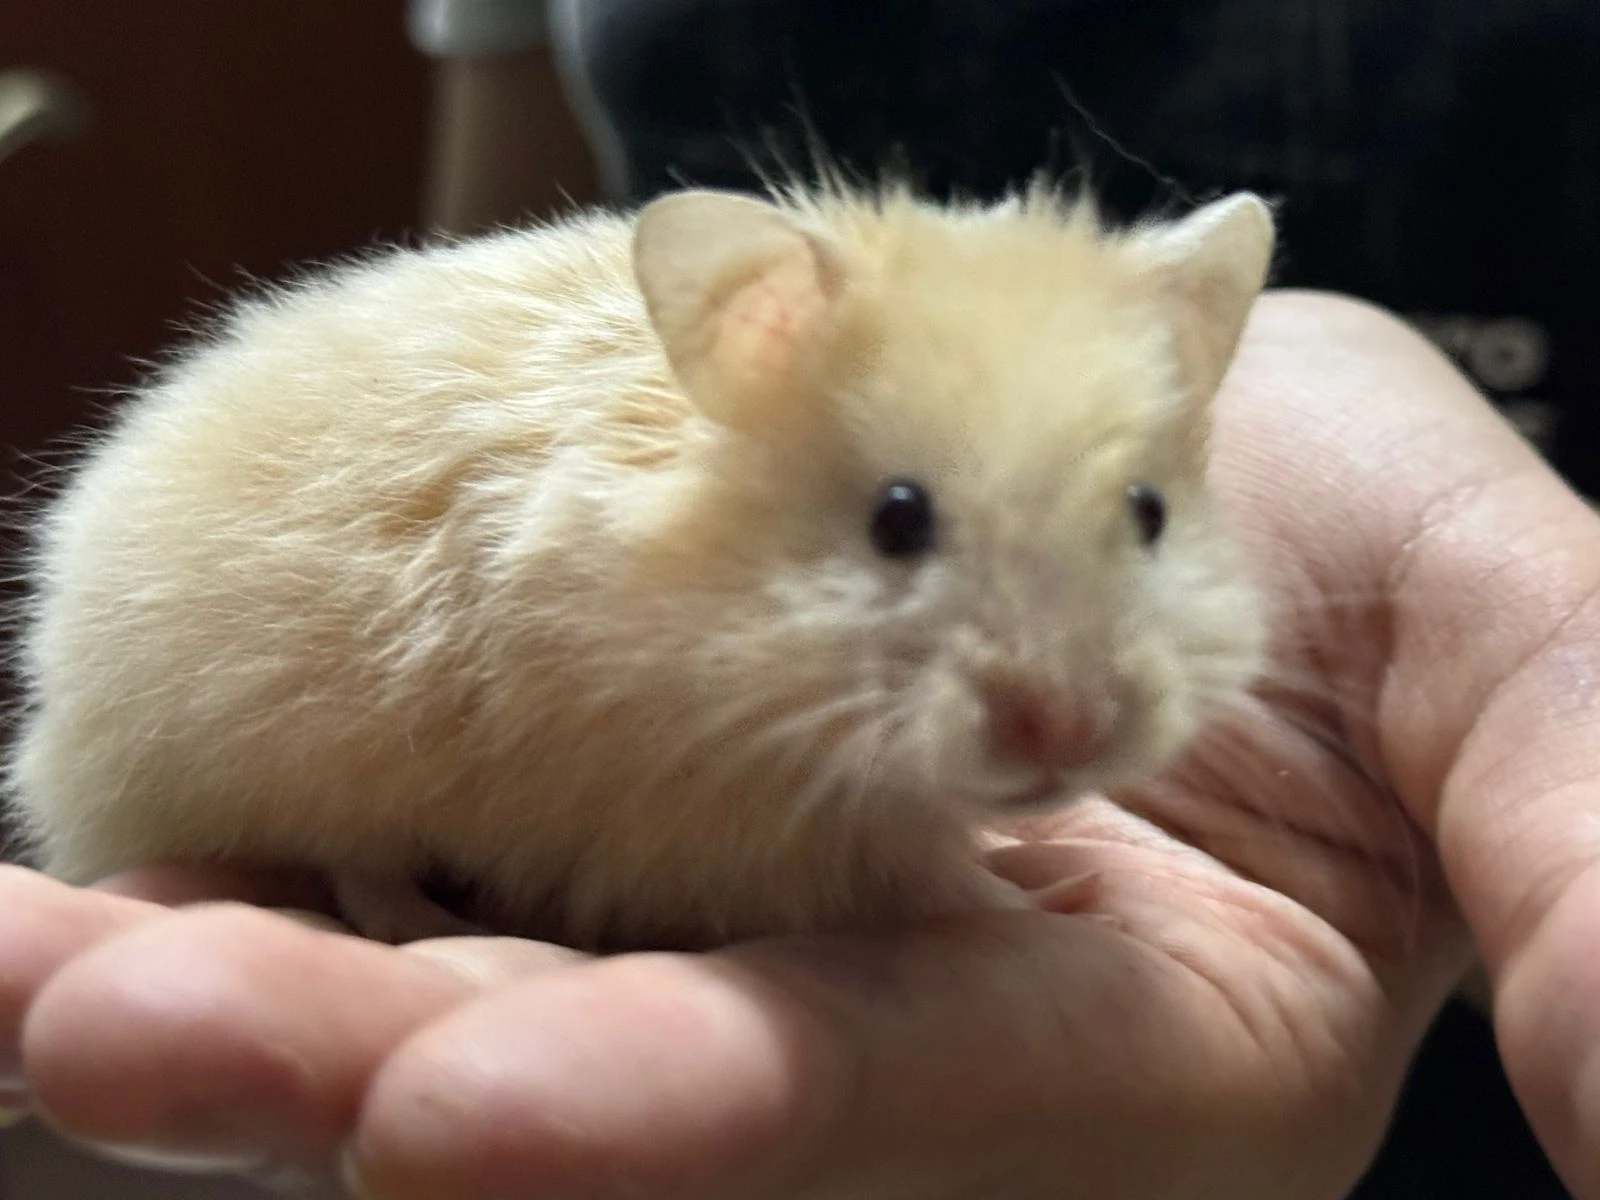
(708, 572)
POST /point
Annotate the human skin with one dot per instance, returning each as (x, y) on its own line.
(1219, 993)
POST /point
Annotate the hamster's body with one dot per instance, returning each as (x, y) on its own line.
(435, 560)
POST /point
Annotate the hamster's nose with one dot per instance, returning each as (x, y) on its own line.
(1031, 724)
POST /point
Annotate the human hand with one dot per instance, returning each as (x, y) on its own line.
(1218, 996)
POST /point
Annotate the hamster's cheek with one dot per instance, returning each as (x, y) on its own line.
(938, 744)
(1158, 709)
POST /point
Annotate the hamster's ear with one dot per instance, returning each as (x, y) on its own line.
(1209, 268)
(736, 292)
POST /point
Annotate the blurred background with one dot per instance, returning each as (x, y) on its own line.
(1441, 157)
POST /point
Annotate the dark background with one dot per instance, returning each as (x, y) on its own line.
(223, 137)
(1440, 156)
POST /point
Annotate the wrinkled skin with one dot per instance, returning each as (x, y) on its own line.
(1218, 998)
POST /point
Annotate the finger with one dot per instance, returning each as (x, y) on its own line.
(1484, 665)
(1005, 1057)
(46, 924)
(225, 1035)
(1517, 830)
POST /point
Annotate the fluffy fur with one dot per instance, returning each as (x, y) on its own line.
(544, 557)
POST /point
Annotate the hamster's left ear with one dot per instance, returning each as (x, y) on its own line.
(737, 292)
(1209, 268)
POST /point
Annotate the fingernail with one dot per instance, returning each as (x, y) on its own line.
(210, 1149)
(161, 1158)
(14, 1105)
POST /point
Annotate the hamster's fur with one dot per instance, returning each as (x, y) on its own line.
(547, 558)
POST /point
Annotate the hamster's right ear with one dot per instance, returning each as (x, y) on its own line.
(736, 292)
(1209, 267)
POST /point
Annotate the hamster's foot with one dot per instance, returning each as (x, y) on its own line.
(396, 910)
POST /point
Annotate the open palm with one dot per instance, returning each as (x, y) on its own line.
(1218, 995)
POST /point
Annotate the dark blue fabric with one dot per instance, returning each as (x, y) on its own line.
(1441, 157)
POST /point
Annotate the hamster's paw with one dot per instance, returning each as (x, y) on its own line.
(975, 889)
(396, 910)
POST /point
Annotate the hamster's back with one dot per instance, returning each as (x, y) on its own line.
(265, 585)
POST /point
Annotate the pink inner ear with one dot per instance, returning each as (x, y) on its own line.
(764, 323)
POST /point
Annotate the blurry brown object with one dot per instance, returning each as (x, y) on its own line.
(225, 137)
(227, 141)
(505, 144)
(1477, 991)
(233, 139)
(37, 106)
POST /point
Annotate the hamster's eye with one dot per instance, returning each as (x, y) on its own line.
(902, 520)
(1149, 512)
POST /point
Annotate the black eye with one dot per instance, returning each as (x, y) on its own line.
(902, 521)
(1149, 512)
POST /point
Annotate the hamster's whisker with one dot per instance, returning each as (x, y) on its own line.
(836, 759)
(732, 740)
(709, 733)
(819, 787)
(852, 762)
(879, 737)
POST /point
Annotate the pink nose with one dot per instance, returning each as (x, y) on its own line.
(1031, 725)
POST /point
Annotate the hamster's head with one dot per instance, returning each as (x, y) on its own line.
(956, 502)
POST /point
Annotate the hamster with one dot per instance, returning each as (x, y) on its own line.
(715, 570)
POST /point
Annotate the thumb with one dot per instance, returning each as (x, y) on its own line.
(1516, 821)
(1488, 714)
(1486, 689)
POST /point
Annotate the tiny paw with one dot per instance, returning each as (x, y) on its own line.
(396, 911)
(1077, 895)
